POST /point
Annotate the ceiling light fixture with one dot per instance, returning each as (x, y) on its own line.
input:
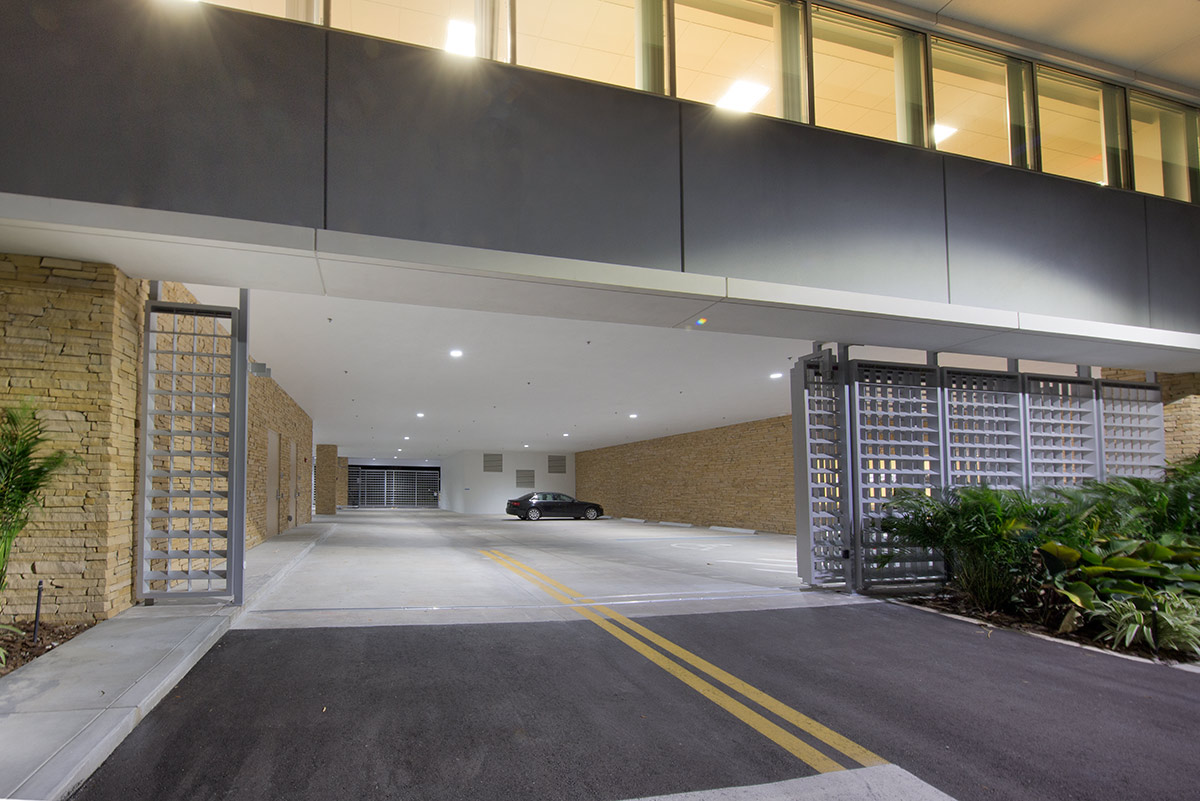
(942, 132)
(456, 354)
(566, 435)
(776, 375)
(406, 438)
(420, 414)
(743, 96)
(460, 37)
(524, 446)
(633, 417)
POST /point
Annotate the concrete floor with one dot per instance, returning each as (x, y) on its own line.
(427, 655)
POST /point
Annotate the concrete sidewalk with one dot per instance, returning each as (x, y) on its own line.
(63, 714)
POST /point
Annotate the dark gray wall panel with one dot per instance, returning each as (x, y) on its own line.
(163, 105)
(439, 148)
(1046, 245)
(775, 201)
(1173, 231)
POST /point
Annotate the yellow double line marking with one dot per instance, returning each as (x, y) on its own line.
(785, 739)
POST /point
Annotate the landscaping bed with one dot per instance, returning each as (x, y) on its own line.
(22, 649)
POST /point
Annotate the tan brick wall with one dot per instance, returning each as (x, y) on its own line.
(71, 338)
(343, 481)
(739, 475)
(327, 479)
(71, 344)
(1181, 409)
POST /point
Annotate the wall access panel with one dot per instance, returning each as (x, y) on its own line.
(1045, 245)
(430, 146)
(775, 201)
(174, 106)
(1173, 237)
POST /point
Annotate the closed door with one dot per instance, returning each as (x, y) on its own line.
(293, 485)
(272, 483)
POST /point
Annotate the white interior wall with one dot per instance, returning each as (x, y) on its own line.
(469, 490)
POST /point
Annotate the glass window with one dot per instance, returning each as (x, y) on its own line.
(727, 53)
(593, 39)
(466, 27)
(1072, 124)
(971, 101)
(868, 77)
(1164, 149)
(305, 10)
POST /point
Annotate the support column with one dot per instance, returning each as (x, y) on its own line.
(910, 88)
(343, 481)
(789, 36)
(1116, 141)
(1020, 115)
(327, 479)
(650, 45)
(489, 27)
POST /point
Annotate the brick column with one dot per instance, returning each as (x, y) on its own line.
(327, 479)
(343, 481)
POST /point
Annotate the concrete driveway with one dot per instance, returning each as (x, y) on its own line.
(427, 655)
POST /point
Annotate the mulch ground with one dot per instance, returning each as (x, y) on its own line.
(22, 649)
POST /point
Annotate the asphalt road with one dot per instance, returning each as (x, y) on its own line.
(565, 710)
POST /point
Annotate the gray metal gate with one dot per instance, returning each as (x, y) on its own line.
(193, 447)
(392, 487)
(864, 430)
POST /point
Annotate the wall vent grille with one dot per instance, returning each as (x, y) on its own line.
(525, 479)
(493, 463)
(556, 463)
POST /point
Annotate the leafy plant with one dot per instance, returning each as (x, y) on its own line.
(983, 534)
(1166, 620)
(23, 477)
(1122, 568)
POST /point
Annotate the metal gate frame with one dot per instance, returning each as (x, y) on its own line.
(194, 564)
(862, 429)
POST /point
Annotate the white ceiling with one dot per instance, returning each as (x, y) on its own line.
(364, 369)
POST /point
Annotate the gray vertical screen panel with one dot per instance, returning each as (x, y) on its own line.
(434, 147)
(165, 105)
(1173, 234)
(1045, 245)
(776, 201)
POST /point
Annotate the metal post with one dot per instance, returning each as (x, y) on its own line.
(649, 45)
(37, 612)
(1020, 116)
(800, 474)
(238, 446)
(909, 52)
(1115, 131)
(847, 426)
(789, 33)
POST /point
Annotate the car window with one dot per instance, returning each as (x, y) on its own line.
(566, 498)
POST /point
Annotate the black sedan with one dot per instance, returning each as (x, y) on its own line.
(533, 505)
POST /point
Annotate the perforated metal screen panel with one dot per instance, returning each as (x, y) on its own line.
(824, 490)
(191, 536)
(897, 445)
(1134, 438)
(1060, 416)
(984, 437)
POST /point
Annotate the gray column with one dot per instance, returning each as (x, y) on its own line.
(650, 45)
(910, 88)
(1172, 132)
(1115, 125)
(1020, 115)
(789, 43)
(489, 29)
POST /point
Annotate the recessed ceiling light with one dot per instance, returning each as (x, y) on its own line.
(743, 96)
(524, 446)
(460, 37)
(942, 132)
(420, 414)
(633, 417)
(456, 354)
(399, 449)
(406, 438)
(566, 435)
(776, 375)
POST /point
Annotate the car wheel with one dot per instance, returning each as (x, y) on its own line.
(591, 513)
(534, 514)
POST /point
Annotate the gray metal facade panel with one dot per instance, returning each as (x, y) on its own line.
(438, 148)
(775, 201)
(1173, 230)
(1045, 245)
(169, 106)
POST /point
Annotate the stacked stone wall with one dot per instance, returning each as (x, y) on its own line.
(70, 344)
(739, 476)
(327, 479)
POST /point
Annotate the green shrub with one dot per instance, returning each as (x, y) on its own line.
(983, 534)
(1166, 621)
